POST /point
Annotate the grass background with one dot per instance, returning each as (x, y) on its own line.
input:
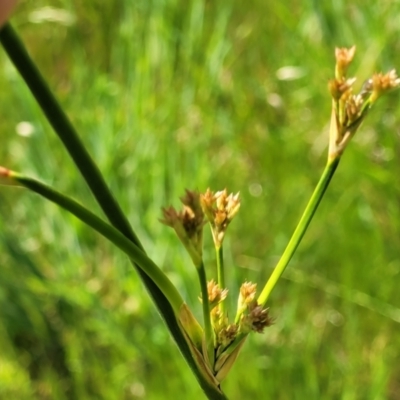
(172, 94)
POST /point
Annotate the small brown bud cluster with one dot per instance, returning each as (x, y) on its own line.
(220, 208)
(341, 87)
(247, 292)
(255, 319)
(252, 316)
(188, 224)
(225, 332)
(215, 294)
(343, 59)
(350, 109)
(382, 83)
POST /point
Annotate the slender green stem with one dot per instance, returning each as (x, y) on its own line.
(295, 240)
(220, 266)
(300, 229)
(65, 130)
(220, 273)
(208, 331)
(67, 134)
(108, 231)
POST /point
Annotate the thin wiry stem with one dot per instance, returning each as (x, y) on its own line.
(300, 229)
(220, 273)
(208, 331)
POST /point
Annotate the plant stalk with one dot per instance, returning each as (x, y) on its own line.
(301, 228)
(208, 331)
(93, 177)
(65, 130)
(220, 273)
(109, 232)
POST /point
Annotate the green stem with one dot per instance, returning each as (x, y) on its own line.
(119, 240)
(67, 134)
(65, 130)
(220, 273)
(295, 240)
(208, 331)
(113, 235)
(300, 229)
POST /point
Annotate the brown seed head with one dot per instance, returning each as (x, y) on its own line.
(220, 208)
(260, 318)
(191, 200)
(183, 220)
(220, 218)
(344, 57)
(256, 319)
(384, 82)
(354, 108)
(207, 204)
(215, 293)
(171, 216)
(190, 221)
(248, 292)
(233, 205)
(188, 224)
(349, 110)
(338, 87)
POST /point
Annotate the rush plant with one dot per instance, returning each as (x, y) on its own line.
(211, 347)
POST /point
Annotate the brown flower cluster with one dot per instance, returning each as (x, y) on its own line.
(344, 57)
(188, 224)
(255, 319)
(349, 109)
(215, 293)
(220, 208)
(250, 315)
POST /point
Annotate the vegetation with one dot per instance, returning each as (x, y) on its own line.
(168, 96)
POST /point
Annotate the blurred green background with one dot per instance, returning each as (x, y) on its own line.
(173, 94)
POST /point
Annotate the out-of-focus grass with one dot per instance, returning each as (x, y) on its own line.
(175, 94)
